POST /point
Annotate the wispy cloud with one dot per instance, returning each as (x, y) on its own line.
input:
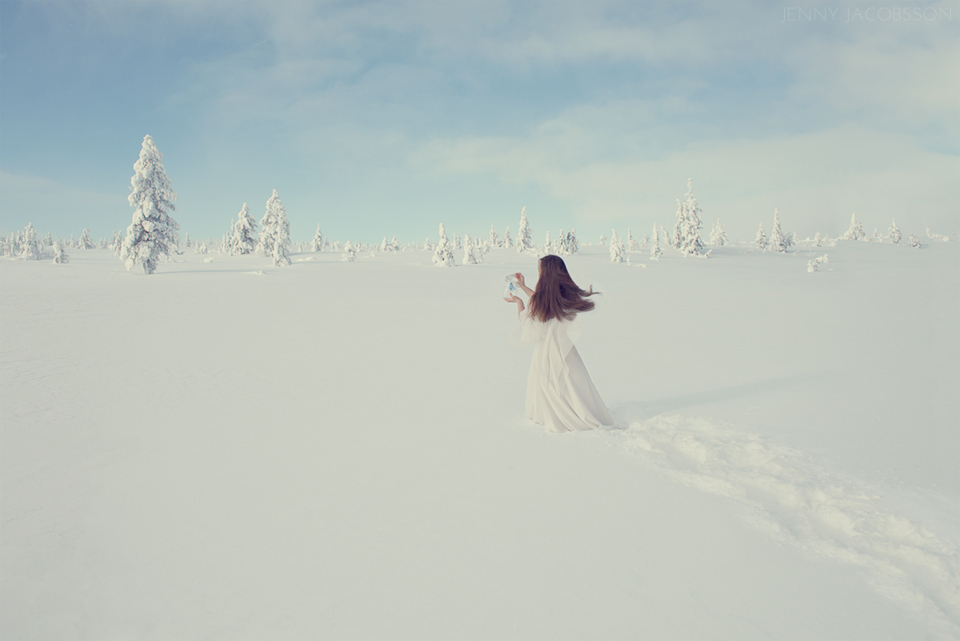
(52, 206)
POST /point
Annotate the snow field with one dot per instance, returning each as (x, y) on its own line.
(336, 450)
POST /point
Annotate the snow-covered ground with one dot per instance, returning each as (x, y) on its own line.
(228, 449)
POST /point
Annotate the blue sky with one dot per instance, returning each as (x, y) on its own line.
(388, 118)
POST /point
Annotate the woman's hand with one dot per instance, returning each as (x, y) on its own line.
(523, 286)
(514, 299)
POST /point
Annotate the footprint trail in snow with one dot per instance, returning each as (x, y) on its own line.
(781, 492)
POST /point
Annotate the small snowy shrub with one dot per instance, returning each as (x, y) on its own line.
(913, 242)
(940, 238)
(349, 253)
(814, 263)
(59, 254)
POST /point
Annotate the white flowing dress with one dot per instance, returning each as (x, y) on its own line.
(560, 394)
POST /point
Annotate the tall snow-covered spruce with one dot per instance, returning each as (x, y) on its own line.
(524, 238)
(655, 251)
(275, 232)
(894, 233)
(855, 232)
(718, 237)
(152, 233)
(777, 242)
(686, 233)
(30, 243)
(316, 245)
(616, 248)
(761, 239)
(243, 237)
(443, 255)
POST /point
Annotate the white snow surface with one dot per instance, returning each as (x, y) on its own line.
(338, 450)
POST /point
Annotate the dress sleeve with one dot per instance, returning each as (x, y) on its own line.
(530, 328)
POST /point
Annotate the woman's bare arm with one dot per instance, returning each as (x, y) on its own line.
(523, 286)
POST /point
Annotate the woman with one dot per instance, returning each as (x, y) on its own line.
(560, 394)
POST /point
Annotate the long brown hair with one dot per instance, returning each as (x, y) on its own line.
(557, 296)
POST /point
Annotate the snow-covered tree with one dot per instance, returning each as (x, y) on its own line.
(876, 238)
(632, 243)
(30, 243)
(718, 237)
(457, 244)
(856, 230)
(200, 247)
(243, 233)
(572, 243)
(494, 240)
(761, 239)
(524, 234)
(85, 241)
(443, 255)
(913, 242)
(316, 245)
(616, 249)
(59, 253)
(152, 233)
(275, 232)
(186, 240)
(894, 233)
(547, 245)
(48, 240)
(686, 233)
(940, 238)
(507, 241)
(349, 253)
(777, 242)
(469, 255)
(655, 251)
(560, 246)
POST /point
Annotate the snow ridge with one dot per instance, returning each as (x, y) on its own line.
(784, 494)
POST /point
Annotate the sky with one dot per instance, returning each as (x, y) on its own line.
(377, 119)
